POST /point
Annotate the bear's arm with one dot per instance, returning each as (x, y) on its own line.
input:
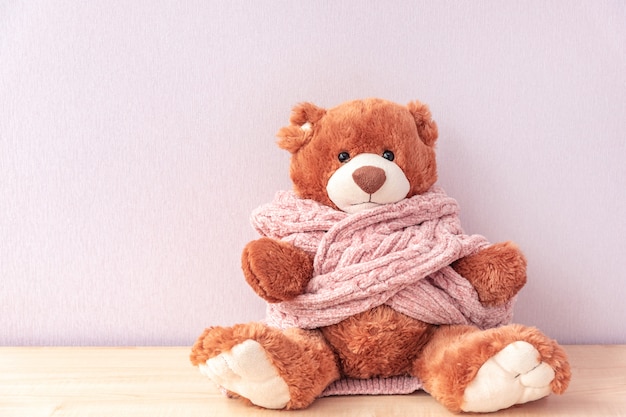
(497, 272)
(277, 271)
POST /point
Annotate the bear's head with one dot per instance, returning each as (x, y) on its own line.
(362, 153)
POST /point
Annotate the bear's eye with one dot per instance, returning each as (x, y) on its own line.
(343, 156)
(388, 155)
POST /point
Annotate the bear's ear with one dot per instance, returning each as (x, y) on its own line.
(426, 126)
(303, 117)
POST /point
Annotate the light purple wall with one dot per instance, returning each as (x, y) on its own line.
(136, 137)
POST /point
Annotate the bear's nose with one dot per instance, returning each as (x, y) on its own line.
(369, 178)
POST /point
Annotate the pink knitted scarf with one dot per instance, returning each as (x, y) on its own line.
(396, 254)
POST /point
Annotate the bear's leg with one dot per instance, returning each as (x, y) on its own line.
(269, 367)
(467, 369)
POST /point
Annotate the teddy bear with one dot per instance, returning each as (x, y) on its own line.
(372, 287)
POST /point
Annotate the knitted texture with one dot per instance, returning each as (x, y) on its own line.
(373, 386)
(396, 254)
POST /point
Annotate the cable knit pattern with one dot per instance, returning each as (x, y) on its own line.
(396, 254)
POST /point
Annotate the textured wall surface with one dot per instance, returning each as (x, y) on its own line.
(136, 137)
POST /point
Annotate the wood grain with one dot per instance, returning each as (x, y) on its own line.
(112, 382)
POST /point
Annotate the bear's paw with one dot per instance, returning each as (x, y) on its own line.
(515, 375)
(247, 371)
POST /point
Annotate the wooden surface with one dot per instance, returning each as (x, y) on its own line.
(154, 382)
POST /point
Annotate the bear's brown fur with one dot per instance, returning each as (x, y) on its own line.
(380, 342)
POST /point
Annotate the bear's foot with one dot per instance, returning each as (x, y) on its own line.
(467, 369)
(515, 375)
(268, 367)
(247, 371)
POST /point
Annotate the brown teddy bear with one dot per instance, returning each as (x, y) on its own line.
(373, 288)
